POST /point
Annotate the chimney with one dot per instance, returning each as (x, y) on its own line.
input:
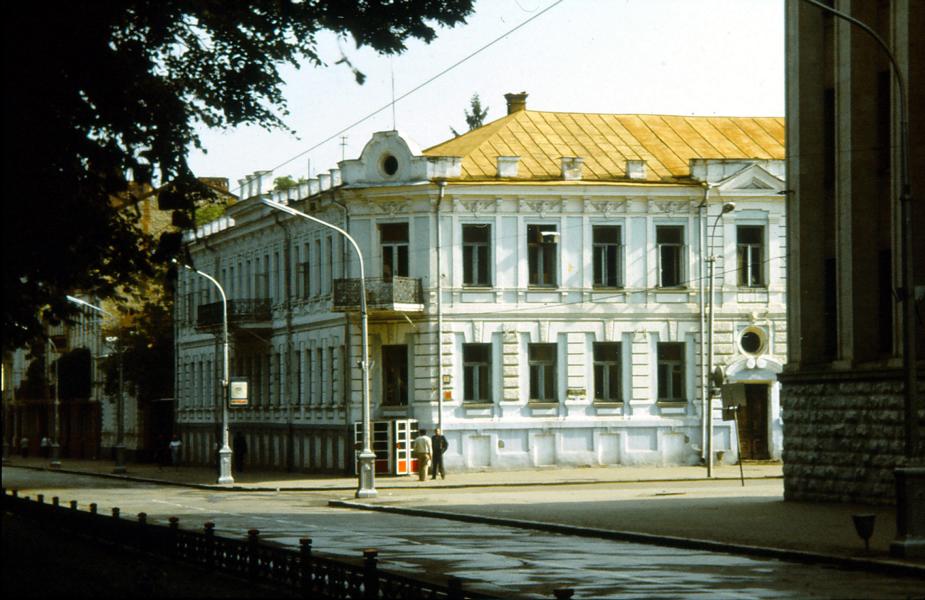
(571, 168)
(516, 102)
(507, 166)
(636, 169)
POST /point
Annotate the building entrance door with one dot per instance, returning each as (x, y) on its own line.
(753, 423)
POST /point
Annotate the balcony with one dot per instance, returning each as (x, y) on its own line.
(252, 312)
(398, 294)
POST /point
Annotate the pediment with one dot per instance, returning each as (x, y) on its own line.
(390, 158)
(752, 179)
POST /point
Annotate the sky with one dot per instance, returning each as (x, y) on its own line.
(679, 57)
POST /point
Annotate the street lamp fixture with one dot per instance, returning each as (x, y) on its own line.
(728, 207)
(366, 482)
(224, 454)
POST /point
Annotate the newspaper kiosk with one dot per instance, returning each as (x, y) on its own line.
(391, 442)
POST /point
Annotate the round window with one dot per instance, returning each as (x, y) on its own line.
(389, 164)
(752, 340)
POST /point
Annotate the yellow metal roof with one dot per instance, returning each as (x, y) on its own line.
(666, 143)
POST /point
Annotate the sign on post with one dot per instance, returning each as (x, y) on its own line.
(237, 392)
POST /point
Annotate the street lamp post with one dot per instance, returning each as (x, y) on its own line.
(56, 417)
(366, 483)
(224, 454)
(711, 261)
(119, 467)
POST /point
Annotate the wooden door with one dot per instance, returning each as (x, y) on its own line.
(753, 423)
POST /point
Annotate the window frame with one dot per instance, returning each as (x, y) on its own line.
(605, 369)
(668, 393)
(679, 251)
(398, 251)
(543, 372)
(481, 272)
(754, 266)
(540, 251)
(603, 249)
(477, 373)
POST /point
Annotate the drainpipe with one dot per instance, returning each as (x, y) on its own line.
(442, 191)
(704, 375)
(345, 359)
(287, 307)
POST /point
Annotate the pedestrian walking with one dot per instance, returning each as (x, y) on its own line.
(24, 447)
(440, 445)
(422, 450)
(175, 446)
(239, 447)
(45, 444)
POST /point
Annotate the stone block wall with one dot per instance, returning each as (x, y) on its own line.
(843, 436)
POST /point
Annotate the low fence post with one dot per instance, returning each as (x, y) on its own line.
(40, 498)
(209, 531)
(252, 546)
(305, 566)
(55, 501)
(172, 536)
(93, 509)
(454, 588)
(73, 504)
(563, 593)
(143, 530)
(370, 574)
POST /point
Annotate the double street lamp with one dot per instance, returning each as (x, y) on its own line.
(224, 453)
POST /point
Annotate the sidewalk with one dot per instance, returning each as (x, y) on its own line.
(673, 506)
(262, 480)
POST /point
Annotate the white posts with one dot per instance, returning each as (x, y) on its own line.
(224, 453)
(366, 484)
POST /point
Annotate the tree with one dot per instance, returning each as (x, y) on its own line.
(476, 118)
(145, 346)
(107, 91)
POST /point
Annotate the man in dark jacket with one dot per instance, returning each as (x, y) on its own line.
(440, 445)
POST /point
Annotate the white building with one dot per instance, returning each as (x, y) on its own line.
(562, 257)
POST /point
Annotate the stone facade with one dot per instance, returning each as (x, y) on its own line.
(844, 436)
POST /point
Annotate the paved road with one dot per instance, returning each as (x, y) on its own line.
(505, 561)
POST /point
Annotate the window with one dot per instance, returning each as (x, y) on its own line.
(608, 271)
(394, 237)
(305, 272)
(395, 375)
(477, 372)
(607, 386)
(332, 376)
(750, 248)
(671, 372)
(670, 241)
(542, 358)
(542, 245)
(476, 255)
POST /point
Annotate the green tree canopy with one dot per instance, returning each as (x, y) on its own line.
(107, 91)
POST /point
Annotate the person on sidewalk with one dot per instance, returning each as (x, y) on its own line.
(422, 451)
(24, 447)
(45, 444)
(439, 444)
(175, 446)
(239, 447)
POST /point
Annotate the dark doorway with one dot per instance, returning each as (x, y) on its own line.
(395, 375)
(753, 423)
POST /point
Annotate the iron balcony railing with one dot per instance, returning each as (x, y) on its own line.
(380, 293)
(239, 311)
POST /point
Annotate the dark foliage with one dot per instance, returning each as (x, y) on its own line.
(74, 374)
(102, 91)
(146, 351)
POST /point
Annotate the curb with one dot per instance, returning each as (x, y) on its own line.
(335, 488)
(889, 567)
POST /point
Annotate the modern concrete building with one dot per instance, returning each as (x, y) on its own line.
(850, 415)
(537, 287)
